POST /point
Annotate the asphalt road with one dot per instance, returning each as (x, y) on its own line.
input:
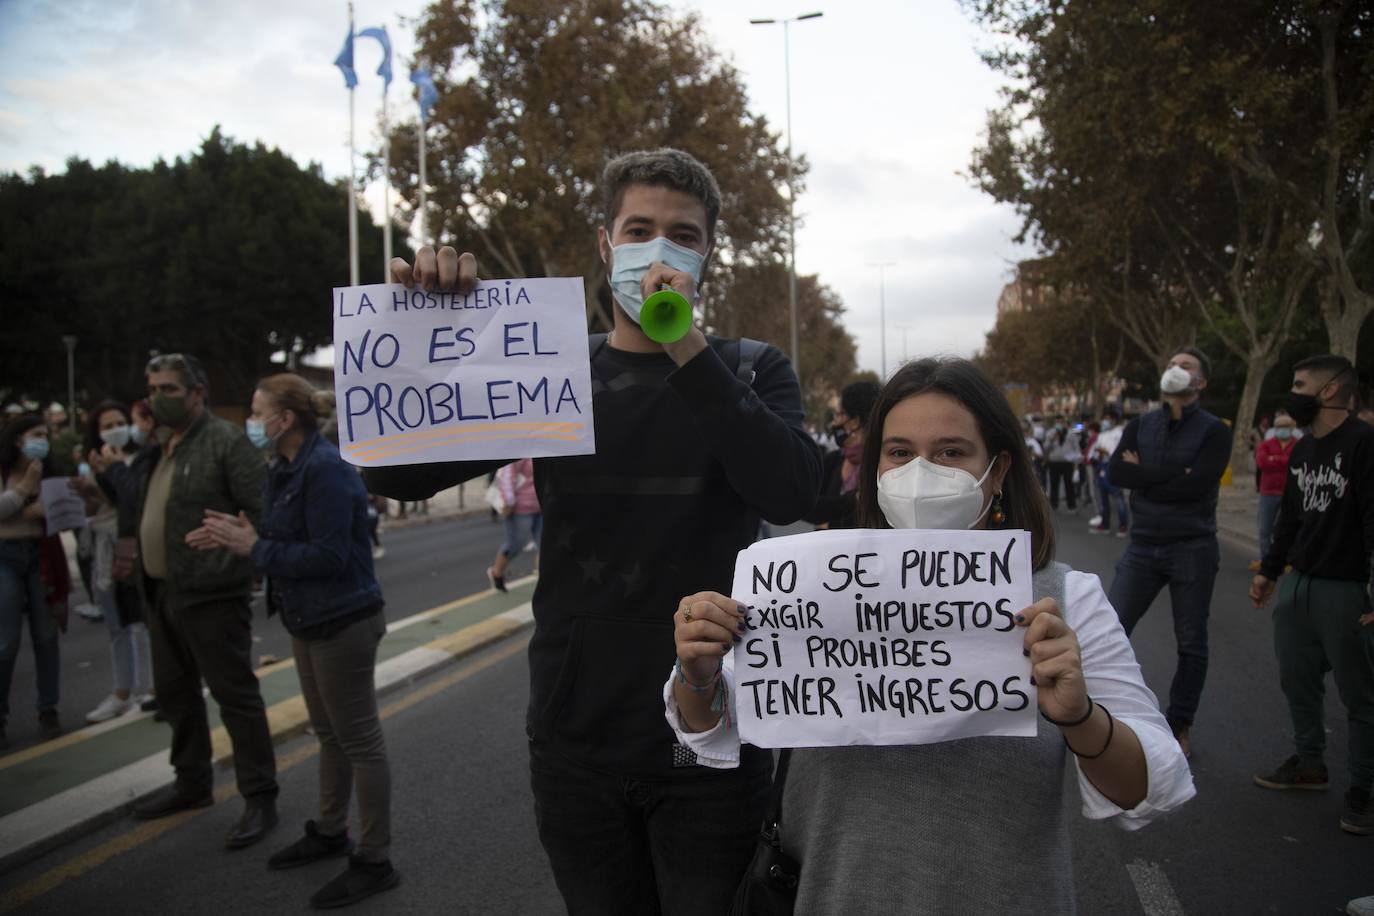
(464, 831)
(426, 564)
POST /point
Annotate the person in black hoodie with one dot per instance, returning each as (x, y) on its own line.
(1322, 618)
(695, 441)
(1172, 459)
(837, 506)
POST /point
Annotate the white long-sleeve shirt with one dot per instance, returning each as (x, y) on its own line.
(1112, 677)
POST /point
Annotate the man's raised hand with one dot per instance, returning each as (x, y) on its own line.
(445, 271)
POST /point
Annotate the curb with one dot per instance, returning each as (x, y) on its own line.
(38, 829)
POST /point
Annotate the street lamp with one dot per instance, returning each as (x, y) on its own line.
(882, 308)
(70, 341)
(791, 193)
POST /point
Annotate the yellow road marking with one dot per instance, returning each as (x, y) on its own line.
(219, 738)
(150, 830)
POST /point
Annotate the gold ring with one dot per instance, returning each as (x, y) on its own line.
(686, 613)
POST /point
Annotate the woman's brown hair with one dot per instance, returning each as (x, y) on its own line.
(1023, 499)
(289, 391)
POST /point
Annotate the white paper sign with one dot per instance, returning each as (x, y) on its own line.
(883, 637)
(502, 372)
(63, 508)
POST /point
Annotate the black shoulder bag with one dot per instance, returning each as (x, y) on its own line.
(769, 887)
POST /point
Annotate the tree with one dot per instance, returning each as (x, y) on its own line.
(534, 98)
(1127, 130)
(220, 254)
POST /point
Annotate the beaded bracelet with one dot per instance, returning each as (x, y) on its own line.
(698, 688)
(720, 703)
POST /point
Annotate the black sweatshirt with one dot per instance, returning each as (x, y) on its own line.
(1325, 526)
(687, 460)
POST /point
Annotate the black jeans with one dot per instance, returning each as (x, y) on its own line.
(1189, 568)
(213, 641)
(1062, 472)
(636, 847)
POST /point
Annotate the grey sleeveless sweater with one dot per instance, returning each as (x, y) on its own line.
(969, 826)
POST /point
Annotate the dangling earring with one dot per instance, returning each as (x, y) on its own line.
(997, 516)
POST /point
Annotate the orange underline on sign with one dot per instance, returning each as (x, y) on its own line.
(410, 448)
(440, 436)
(551, 425)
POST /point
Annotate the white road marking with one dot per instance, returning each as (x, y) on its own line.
(1152, 886)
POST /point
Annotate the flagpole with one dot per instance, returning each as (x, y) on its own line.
(424, 239)
(386, 188)
(352, 183)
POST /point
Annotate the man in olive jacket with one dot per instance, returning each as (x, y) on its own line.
(200, 619)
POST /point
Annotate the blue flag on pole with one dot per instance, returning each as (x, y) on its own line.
(384, 71)
(428, 94)
(345, 61)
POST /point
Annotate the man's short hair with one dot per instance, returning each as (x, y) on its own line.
(190, 370)
(663, 168)
(1198, 355)
(1338, 368)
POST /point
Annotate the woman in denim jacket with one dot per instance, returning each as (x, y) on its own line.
(313, 547)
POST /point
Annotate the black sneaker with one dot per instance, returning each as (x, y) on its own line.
(312, 847)
(1358, 815)
(360, 881)
(48, 723)
(170, 800)
(1294, 774)
(497, 582)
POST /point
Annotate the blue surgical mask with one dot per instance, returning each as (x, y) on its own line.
(35, 449)
(1283, 432)
(257, 433)
(631, 261)
(1106, 425)
(137, 435)
(84, 470)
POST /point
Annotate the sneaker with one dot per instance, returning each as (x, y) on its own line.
(312, 847)
(170, 800)
(1099, 529)
(148, 702)
(1123, 532)
(110, 708)
(360, 881)
(1358, 815)
(1361, 906)
(378, 552)
(48, 724)
(1293, 774)
(497, 582)
(1096, 522)
(88, 611)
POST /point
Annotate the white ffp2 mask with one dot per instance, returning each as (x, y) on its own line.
(920, 494)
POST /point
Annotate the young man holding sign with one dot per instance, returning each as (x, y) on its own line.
(923, 780)
(695, 440)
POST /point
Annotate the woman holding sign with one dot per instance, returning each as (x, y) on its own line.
(315, 551)
(968, 825)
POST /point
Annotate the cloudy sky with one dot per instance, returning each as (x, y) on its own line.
(888, 97)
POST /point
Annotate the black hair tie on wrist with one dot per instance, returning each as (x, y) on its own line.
(1111, 731)
(1079, 721)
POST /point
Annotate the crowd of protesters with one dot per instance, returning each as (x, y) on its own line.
(642, 787)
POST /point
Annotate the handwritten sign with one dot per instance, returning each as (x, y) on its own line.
(63, 509)
(499, 373)
(883, 637)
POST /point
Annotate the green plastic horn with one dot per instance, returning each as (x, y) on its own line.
(666, 316)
